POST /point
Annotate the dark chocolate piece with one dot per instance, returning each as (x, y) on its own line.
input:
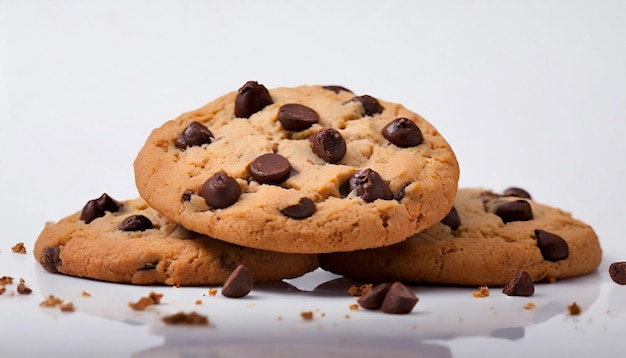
(149, 266)
(135, 223)
(452, 219)
(238, 284)
(399, 299)
(369, 186)
(50, 258)
(517, 192)
(252, 97)
(553, 247)
(196, 134)
(302, 210)
(187, 195)
(270, 168)
(371, 106)
(519, 210)
(220, 191)
(336, 88)
(373, 300)
(96, 208)
(520, 285)
(617, 270)
(296, 117)
(328, 144)
(403, 132)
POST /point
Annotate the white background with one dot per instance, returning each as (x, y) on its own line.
(528, 93)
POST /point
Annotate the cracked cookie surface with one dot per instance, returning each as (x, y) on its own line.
(129, 242)
(494, 236)
(309, 169)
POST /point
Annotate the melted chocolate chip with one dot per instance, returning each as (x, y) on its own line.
(238, 284)
(135, 223)
(328, 144)
(452, 219)
(519, 210)
(96, 208)
(520, 285)
(373, 300)
(296, 117)
(302, 210)
(403, 132)
(50, 258)
(195, 134)
(399, 299)
(553, 247)
(252, 97)
(617, 271)
(270, 168)
(336, 88)
(371, 106)
(517, 192)
(220, 191)
(369, 186)
(187, 195)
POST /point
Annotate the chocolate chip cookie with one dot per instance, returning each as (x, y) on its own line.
(310, 169)
(129, 242)
(485, 240)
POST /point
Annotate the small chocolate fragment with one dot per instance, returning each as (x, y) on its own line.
(187, 195)
(270, 168)
(149, 266)
(373, 300)
(452, 219)
(196, 134)
(519, 210)
(399, 299)
(220, 191)
(296, 117)
(403, 132)
(517, 192)
(369, 186)
(328, 144)
(135, 223)
(238, 284)
(520, 285)
(617, 270)
(371, 106)
(553, 247)
(50, 259)
(252, 97)
(96, 208)
(336, 88)
(302, 210)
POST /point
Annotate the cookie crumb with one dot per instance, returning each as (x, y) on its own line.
(19, 248)
(307, 315)
(22, 289)
(144, 302)
(347, 316)
(67, 307)
(85, 294)
(52, 301)
(483, 291)
(2, 289)
(617, 271)
(529, 306)
(191, 319)
(354, 307)
(574, 309)
(198, 302)
(358, 291)
(213, 291)
(279, 318)
(6, 280)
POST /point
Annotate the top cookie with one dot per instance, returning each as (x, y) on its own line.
(309, 169)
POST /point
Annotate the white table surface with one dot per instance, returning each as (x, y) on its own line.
(528, 93)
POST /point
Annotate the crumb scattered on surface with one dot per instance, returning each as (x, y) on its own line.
(213, 291)
(2, 289)
(6, 280)
(307, 315)
(67, 307)
(550, 280)
(358, 291)
(347, 316)
(574, 309)
(279, 318)
(52, 301)
(483, 291)
(22, 289)
(19, 248)
(529, 306)
(191, 319)
(145, 302)
(354, 307)
(198, 302)
(85, 294)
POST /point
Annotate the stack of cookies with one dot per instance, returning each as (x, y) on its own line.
(286, 180)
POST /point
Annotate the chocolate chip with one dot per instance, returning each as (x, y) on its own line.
(617, 270)
(50, 258)
(369, 186)
(452, 219)
(270, 168)
(403, 132)
(195, 134)
(238, 284)
(149, 266)
(220, 191)
(371, 106)
(519, 210)
(517, 192)
(302, 210)
(252, 97)
(336, 88)
(96, 208)
(520, 285)
(328, 144)
(373, 300)
(187, 195)
(399, 299)
(135, 223)
(553, 247)
(296, 117)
